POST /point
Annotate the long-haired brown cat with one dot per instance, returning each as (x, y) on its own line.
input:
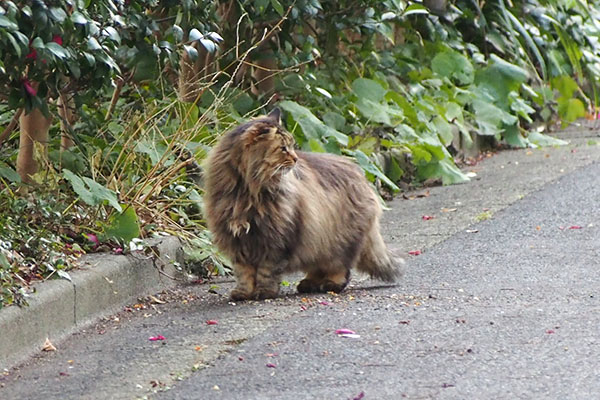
(274, 210)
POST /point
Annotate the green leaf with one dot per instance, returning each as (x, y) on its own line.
(444, 169)
(374, 111)
(57, 50)
(512, 136)
(500, 78)
(112, 34)
(123, 226)
(8, 173)
(93, 44)
(415, 9)
(368, 89)
(565, 85)
(79, 18)
(544, 140)
(311, 126)
(15, 45)
(150, 148)
(278, 7)
(8, 24)
(38, 43)
(58, 14)
(570, 109)
(452, 64)
(394, 171)
(102, 193)
(80, 188)
(367, 165)
(444, 129)
(261, 6)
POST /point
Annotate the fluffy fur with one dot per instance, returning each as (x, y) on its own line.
(274, 210)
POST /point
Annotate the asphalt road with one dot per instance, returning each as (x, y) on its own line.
(503, 302)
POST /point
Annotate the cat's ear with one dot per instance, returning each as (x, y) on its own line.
(275, 115)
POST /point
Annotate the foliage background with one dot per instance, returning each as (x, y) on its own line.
(405, 88)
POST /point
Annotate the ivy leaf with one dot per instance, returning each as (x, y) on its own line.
(79, 187)
(565, 85)
(368, 89)
(570, 109)
(102, 193)
(311, 126)
(452, 64)
(123, 226)
(368, 165)
(444, 169)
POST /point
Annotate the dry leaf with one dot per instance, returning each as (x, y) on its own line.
(156, 300)
(447, 210)
(48, 346)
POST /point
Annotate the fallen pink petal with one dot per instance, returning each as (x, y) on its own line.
(575, 227)
(344, 332)
(155, 338)
(360, 396)
(415, 252)
(550, 331)
(271, 365)
(92, 238)
(118, 250)
(427, 217)
(212, 322)
(324, 303)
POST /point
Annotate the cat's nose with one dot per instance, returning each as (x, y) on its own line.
(294, 155)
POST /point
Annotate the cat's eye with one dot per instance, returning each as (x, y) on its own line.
(284, 149)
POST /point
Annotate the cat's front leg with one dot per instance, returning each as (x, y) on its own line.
(245, 276)
(267, 283)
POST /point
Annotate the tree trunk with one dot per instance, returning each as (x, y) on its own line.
(34, 129)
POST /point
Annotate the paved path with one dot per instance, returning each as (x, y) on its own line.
(502, 303)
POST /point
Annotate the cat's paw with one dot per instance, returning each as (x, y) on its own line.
(308, 286)
(240, 295)
(265, 293)
(321, 286)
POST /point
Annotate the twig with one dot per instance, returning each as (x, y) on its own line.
(115, 98)
(11, 126)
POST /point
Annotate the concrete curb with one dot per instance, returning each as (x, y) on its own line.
(102, 285)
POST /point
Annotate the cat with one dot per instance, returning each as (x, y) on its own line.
(274, 210)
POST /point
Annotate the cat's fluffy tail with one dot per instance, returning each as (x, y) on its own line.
(377, 261)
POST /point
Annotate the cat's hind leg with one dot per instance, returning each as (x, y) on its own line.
(319, 281)
(245, 276)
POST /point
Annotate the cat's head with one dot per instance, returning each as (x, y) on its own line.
(267, 148)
